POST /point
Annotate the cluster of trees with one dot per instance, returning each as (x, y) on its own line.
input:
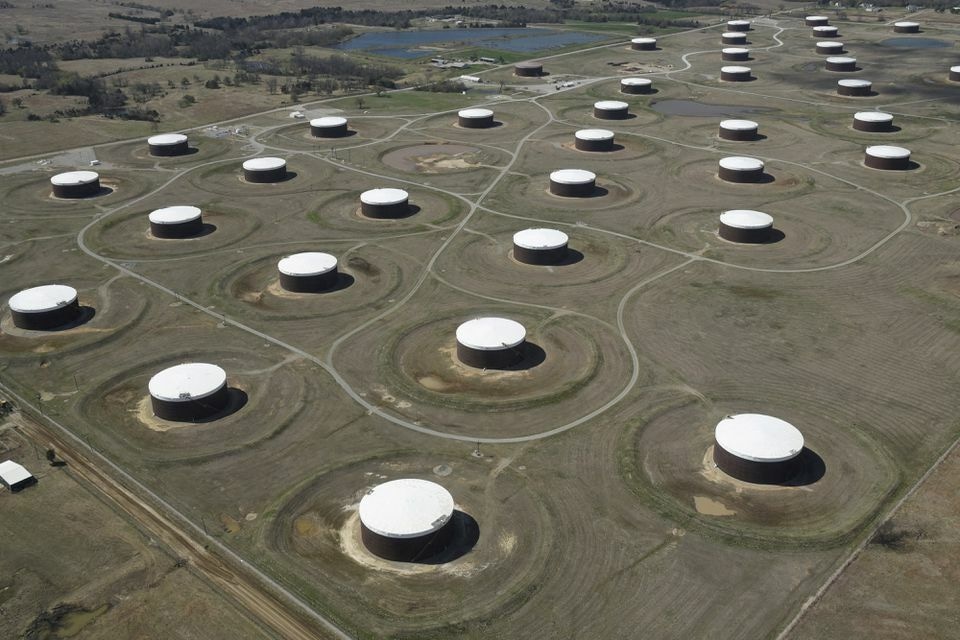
(26, 62)
(321, 74)
(181, 40)
(516, 15)
(443, 86)
(132, 18)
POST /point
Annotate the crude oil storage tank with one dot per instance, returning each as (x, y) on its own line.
(490, 342)
(168, 144)
(757, 448)
(573, 183)
(189, 392)
(75, 184)
(308, 272)
(540, 246)
(406, 520)
(45, 307)
(180, 221)
(746, 226)
(265, 170)
(329, 127)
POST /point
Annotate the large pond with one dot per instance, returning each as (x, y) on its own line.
(915, 43)
(406, 44)
(702, 109)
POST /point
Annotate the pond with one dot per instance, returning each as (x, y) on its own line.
(915, 43)
(405, 44)
(701, 109)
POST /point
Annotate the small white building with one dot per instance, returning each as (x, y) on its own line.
(14, 476)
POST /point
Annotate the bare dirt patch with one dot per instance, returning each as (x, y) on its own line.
(433, 158)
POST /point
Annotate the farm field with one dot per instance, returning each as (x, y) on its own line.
(87, 572)
(592, 503)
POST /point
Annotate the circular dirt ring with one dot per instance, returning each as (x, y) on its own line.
(342, 213)
(408, 364)
(671, 457)
(366, 278)
(127, 235)
(121, 403)
(137, 153)
(591, 258)
(106, 312)
(609, 193)
(31, 196)
(500, 550)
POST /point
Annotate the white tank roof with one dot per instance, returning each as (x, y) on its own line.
(733, 34)
(174, 215)
(746, 219)
(540, 239)
(739, 125)
(760, 438)
(475, 113)
(872, 116)
(328, 122)
(384, 196)
(642, 40)
(491, 334)
(166, 139)
(955, 69)
(830, 43)
(610, 105)
(906, 23)
(572, 176)
(189, 381)
(842, 60)
(406, 508)
(854, 82)
(741, 163)
(887, 151)
(264, 164)
(825, 29)
(43, 298)
(735, 50)
(737, 23)
(734, 69)
(636, 82)
(593, 134)
(73, 178)
(308, 263)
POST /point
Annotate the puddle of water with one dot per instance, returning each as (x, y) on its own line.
(701, 109)
(915, 43)
(711, 507)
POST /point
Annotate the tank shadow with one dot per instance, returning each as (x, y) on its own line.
(466, 533)
(530, 355)
(775, 236)
(412, 210)
(205, 229)
(629, 116)
(236, 400)
(344, 280)
(811, 468)
(573, 257)
(85, 316)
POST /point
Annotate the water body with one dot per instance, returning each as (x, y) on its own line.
(404, 44)
(915, 43)
(701, 109)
